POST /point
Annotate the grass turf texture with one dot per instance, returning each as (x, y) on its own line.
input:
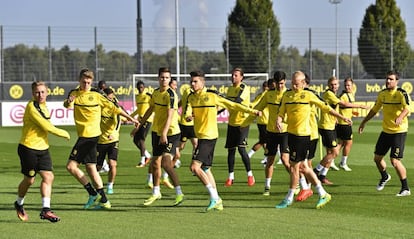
(357, 210)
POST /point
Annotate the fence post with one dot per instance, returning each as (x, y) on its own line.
(310, 53)
(269, 51)
(49, 48)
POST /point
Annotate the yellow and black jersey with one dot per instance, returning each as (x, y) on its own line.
(239, 94)
(346, 111)
(142, 102)
(87, 108)
(36, 125)
(162, 102)
(314, 118)
(328, 121)
(184, 98)
(264, 119)
(392, 102)
(296, 107)
(202, 105)
(110, 126)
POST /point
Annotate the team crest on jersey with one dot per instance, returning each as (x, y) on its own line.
(302, 96)
(32, 173)
(206, 99)
(90, 98)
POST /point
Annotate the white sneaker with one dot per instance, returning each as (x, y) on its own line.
(334, 167)
(345, 167)
(177, 164)
(403, 193)
(104, 169)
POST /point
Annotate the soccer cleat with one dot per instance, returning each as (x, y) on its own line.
(325, 181)
(109, 191)
(304, 194)
(403, 193)
(215, 205)
(149, 184)
(266, 192)
(140, 165)
(345, 167)
(49, 215)
(179, 199)
(284, 204)
(264, 162)
(250, 181)
(177, 164)
(334, 167)
(382, 183)
(103, 205)
(228, 183)
(91, 201)
(21, 213)
(297, 190)
(167, 183)
(152, 199)
(323, 200)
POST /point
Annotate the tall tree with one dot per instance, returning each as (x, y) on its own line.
(252, 27)
(382, 41)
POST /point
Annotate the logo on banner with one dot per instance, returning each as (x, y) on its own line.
(17, 113)
(16, 92)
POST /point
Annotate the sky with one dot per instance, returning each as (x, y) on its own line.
(192, 13)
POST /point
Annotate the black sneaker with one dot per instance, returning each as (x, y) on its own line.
(21, 213)
(49, 215)
(382, 182)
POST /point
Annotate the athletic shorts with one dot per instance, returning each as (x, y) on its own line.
(187, 132)
(328, 138)
(236, 136)
(298, 147)
(262, 133)
(312, 148)
(395, 142)
(205, 151)
(33, 161)
(142, 132)
(110, 149)
(343, 132)
(84, 151)
(170, 148)
(275, 141)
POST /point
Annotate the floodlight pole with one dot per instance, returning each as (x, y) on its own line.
(336, 2)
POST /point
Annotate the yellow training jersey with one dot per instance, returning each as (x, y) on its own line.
(264, 119)
(314, 118)
(203, 105)
(296, 106)
(393, 102)
(110, 126)
(184, 98)
(87, 108)
(328, 121)
(239, 94)
(36, 125)
(162, 103)
(142, 102)
(346, 111)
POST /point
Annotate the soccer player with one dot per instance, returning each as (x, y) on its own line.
(202, 109)
(34, 153)
(88, 105)
(394, 102)
(236, 135)
(165, 135)
(262, 121)
(142, 100)
(108, 142)
(296, 108)
(343, 130)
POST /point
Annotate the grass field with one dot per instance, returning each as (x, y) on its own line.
(357, 210)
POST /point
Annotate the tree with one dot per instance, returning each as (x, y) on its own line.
(382, 41)
(251, 25)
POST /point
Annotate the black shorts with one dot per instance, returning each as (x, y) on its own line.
(262, 133)
(236, 136)
(312, 148)
(84, 150)
(110, 149)
(275, 140)
(343, 132)
(187, 132)
(142, 132)
(298, 147)
(205, 151)
(33, 161)
(170, 148)
(394, 141)
(328, 138)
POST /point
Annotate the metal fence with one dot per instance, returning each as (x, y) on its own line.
(161, 42)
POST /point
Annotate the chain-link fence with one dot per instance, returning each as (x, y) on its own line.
(30, 53)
